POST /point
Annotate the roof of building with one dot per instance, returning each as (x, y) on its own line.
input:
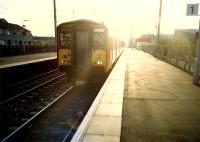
(9, 26)
(143, 39)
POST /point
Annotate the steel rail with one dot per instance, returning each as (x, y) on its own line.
(15, 84)
(3, 102)
(73, 126)
(36, 115)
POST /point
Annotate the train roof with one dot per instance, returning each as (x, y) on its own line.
(82, 21)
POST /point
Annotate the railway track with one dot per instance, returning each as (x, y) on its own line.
(18, 89)
(61, 121)
(18, 110)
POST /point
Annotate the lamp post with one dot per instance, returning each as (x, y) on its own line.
(22, 23)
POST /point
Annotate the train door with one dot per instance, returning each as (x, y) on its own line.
(81, 52)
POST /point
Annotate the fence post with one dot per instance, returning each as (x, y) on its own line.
(169, 53)
(177, 55)
(189, 59)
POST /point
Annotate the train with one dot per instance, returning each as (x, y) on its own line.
(86, 50)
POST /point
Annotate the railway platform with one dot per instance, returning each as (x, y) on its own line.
(26, 59)
(143, 100)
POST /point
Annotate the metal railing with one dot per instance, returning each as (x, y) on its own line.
(181, 56)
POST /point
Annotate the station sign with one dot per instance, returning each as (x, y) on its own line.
(192, 10)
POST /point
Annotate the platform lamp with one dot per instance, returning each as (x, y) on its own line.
(22, 23)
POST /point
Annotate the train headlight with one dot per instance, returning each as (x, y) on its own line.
(62, 61)
(99, 62)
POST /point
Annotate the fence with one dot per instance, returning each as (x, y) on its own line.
(21, 50)
(181, 56)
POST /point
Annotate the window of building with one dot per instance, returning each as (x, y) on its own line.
(20, 34)
(15, 42)
(8, 33)
(2, 42)
(9, 42)
(1, 31)
(14, 33)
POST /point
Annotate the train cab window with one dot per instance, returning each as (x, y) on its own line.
(65, 40)
(99, 38)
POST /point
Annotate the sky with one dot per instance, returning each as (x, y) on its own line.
(120, 16)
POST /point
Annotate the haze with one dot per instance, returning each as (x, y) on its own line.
(119, 15)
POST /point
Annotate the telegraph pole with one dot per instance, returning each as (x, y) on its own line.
(131, 44)
(197, 60)
(158, 33)
(55, 23)
(193, 10)
(73, 15)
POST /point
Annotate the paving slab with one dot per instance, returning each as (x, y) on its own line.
(105, 125)
(160, 103)
(101, 138)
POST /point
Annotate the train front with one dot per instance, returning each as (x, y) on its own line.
(82, 47)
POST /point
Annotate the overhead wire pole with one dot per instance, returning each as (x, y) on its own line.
(193, 10)
(131, 37)
(23, 46)
(158, 33)
(197, 60)
(55, 23)
(198, 52)
(73, 14)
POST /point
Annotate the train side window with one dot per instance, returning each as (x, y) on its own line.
(65, 40)
(99, 39)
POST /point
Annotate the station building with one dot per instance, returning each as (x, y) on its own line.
(14, 35)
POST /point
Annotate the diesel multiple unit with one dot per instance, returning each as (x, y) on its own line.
(85, 49)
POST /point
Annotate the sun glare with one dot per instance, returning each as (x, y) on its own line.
(121, 16)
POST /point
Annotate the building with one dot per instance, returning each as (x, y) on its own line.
(186, 34)
(14, 35)
(146, 39)
(43, 41)
(166, 37)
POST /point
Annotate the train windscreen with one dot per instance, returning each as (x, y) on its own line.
(65, 39)
(98, 38)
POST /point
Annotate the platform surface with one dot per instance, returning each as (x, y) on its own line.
(143, 100)
(103, 120)
(160, 103)
(23, 59)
